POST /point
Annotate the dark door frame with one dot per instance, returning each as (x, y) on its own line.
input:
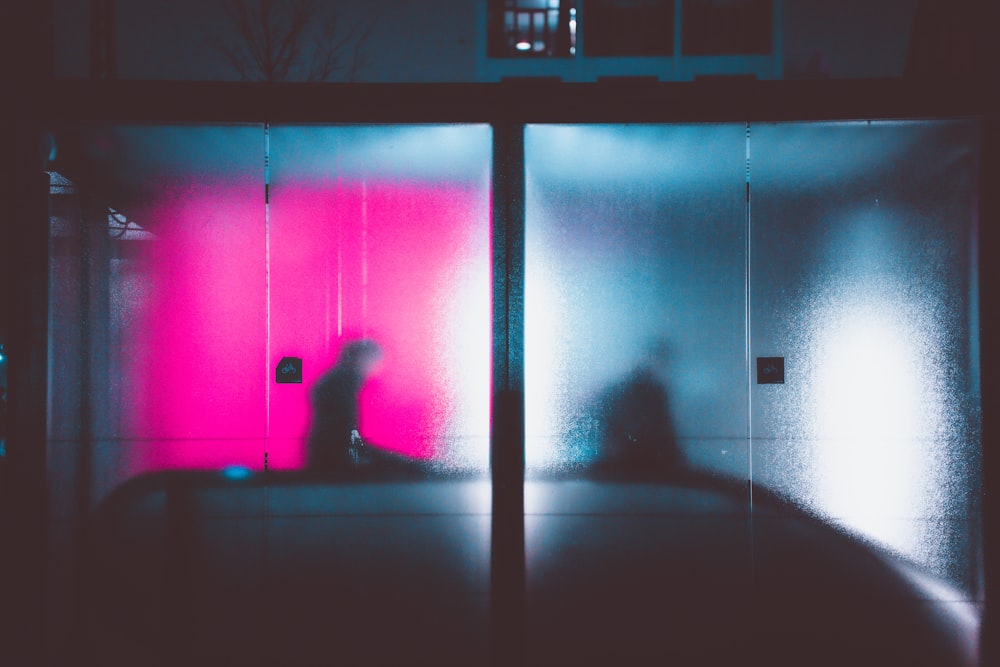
(507, 107)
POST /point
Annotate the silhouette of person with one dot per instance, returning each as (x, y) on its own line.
(334, 441)
(637, 431)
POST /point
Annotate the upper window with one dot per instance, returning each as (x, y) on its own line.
(533, 28)
(719, 27)
(628, 27)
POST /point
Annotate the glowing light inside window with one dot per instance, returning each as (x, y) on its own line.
(875, 399)
(524, 46)
(542, 350)
(236, 472)
(877, 391)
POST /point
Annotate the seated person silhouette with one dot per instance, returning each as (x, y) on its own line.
(334, 441)
(636, 430)
(335, 444)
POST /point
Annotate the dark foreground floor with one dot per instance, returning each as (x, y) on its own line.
(288, 569)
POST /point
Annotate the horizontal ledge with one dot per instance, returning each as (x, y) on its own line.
(522, 101)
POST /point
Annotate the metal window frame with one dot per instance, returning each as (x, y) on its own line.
(507, 107)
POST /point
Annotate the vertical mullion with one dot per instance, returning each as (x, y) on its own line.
(507, 417)
(23, 482)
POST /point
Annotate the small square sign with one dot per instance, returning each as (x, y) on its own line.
(289, 371)
(770, 370)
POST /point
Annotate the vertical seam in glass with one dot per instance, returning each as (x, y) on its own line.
(267, 283)
(266, 499)
(748, 355)
(364, 258)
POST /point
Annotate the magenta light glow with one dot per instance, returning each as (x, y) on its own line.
(391, 263)
(193, 348)
(406, 264)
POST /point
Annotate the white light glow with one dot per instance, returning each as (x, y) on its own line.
(523, 46)
(541, 360)
(466, 313)
(874, 406)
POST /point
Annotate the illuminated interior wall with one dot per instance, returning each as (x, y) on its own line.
(635, 255)
(383, 233)
(853, 259)
(246, 244)
(851, 255)
(157, 327)
(863, 256)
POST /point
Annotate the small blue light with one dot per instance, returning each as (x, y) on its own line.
(236, 472)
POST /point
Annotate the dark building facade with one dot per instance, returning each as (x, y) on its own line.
(668, 369)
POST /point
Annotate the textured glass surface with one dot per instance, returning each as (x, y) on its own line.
(635, 266)
(383, 234)
(157, 306)
(184, 270)
(186, 263)
(863, 258)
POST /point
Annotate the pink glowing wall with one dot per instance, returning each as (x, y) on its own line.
(195, 345)
(380, 261)
(233, 285)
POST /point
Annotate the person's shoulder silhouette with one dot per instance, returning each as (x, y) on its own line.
(334, 432)
(637, 431)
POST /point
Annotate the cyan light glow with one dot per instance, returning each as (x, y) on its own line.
(853, 264)
(634, 242)
(236, 472)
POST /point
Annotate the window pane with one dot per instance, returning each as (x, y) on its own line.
(157, 304)
(864, 280)
(861, 519)
(187, 263)
(383, 234)
(532, 28)
(635, 367)
(635, 248)
(628, 27)
(711, 27)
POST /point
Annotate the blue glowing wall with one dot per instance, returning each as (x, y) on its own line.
(846, 248)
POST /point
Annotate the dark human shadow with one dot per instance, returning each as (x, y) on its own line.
(645, 560)
(335, 445)
(635, 426)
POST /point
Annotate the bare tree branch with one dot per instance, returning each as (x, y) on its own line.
(285, 40)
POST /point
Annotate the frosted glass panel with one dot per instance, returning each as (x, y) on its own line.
(188, 263)
(635, 292)
(157, 301)
(383, 234)
(863, 279)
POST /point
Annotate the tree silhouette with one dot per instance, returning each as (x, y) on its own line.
(293, 40)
